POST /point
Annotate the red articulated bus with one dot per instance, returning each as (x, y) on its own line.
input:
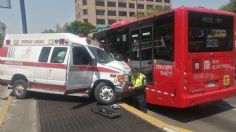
(188, 54)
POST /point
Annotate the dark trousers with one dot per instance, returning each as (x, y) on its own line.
(139, 100)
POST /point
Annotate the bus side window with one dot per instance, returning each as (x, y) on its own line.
(58, 55)
(44, 54)
(80, 56)
(164, 39)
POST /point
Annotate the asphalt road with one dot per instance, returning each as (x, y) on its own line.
(213, 117)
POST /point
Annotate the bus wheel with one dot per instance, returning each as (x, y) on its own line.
(104, 94)
(20, 88)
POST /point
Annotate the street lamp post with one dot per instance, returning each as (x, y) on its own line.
(136, 9)
(23, 16)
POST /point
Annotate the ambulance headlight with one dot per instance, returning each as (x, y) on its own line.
(121, 78)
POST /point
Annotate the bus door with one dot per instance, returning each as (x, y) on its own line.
(141, 50)
(135, 48)
(163, 55)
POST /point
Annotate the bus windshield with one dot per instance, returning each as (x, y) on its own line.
(210, 32)
(101, 55)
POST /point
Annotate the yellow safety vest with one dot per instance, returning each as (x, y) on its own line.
(138, 81)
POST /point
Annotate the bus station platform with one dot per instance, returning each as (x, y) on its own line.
(75, 115)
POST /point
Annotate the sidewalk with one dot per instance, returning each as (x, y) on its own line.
(21, 115)
(4, 93)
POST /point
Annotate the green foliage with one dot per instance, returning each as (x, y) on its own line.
(151, 11)
(1, 39)
(77, 27)
(231, 6)
(163, 8)
(48, 31)
(156, 9)
(74, 27)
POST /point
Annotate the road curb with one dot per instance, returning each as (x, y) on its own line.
(154, 121)
(5, 109)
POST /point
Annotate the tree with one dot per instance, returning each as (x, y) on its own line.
(74, 27)
(1, 39)
(48, 31)
(59, 29)
(231, 6)
(153, 10)
(163, 8)
(78, 27)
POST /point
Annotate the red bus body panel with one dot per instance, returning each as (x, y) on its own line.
(177, 85)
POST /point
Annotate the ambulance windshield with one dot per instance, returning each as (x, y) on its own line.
(101, 55)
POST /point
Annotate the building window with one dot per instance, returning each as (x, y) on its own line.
(140, 6)
(167, 1)
(100, 12)
(111, 21)
(84, 2)
(158, 0)
(111, 13)
(150, 0)
(131, 5)
(100, 3)
(86, 20)
(111, 4)
(100, 21)
(122, 13)
(85, 12)
(122, 4)
(131, 14)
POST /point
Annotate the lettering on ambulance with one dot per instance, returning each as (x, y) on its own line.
(12, 63)
(26, 41)
(38, 41)
(165, 70)
(34, 64)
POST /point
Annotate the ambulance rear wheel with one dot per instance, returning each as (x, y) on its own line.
(20, 88)
(104, 94)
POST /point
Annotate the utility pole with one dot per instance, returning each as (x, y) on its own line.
(136, 9)
(23, 16)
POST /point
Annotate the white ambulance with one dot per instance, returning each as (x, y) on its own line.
(60, 63)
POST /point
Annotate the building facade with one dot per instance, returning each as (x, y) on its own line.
(107, 12)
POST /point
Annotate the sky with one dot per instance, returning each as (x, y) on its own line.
(45, 14)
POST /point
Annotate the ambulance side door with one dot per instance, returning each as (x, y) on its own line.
(41, 73)
(80, 70)
(57, 68)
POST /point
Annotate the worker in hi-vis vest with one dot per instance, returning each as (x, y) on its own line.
(138, 83)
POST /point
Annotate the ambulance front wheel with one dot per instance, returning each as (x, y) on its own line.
(104, 94)
(20, 88)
